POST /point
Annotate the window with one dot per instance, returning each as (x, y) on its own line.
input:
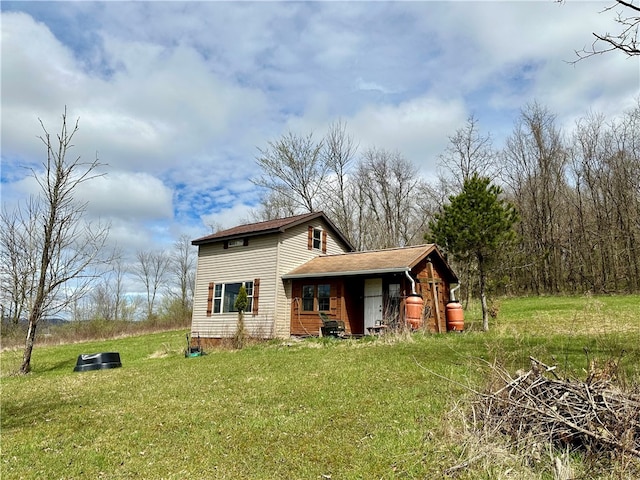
(309, 295)
(317, 238)
(225, 294)
(237, 242)
(392, 309)
(324, 297)
(308, 292)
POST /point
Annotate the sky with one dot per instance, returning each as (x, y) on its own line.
(176, 98)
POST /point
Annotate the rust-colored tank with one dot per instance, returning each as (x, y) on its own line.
(455, 317)
(413, 308)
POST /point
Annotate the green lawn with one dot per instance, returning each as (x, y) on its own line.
(349, 409)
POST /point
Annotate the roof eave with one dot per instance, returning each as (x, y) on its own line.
(281, 229)
(206, 240)
(350, 273)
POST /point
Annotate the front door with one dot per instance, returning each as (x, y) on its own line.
(372, 302)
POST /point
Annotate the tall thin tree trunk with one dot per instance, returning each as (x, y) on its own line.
(28, 348)
(483, 293)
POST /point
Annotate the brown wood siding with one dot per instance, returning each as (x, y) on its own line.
(292, 253)
(426, 282)
(309, 322)
(353, 288)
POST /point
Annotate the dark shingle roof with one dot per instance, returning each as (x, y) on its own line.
(269, 226)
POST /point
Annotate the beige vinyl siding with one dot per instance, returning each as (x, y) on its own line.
(267, 257)
(293, 253)
(334, 245)
(236, 264)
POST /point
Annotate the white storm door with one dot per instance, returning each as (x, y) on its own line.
(372, 302)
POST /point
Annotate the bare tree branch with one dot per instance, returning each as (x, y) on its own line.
(626, 40)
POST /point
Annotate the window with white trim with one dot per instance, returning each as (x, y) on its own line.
(317, 238)
(225, 294)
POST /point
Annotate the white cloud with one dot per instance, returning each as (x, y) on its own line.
(176, 96)
(418, 129)
(127, 195)
(227, 218)
(157, 105)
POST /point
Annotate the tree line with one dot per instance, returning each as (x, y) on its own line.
(167, 277)
(577, 195)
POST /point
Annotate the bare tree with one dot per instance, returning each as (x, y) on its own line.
(535, 159)
(121, 306)
(627, 17)
(182, 269)
(64, 250)
(391, 190)
(151, 270)
(19, 246)
(274, 205)
(468, 153)
(102, 300)
(338, 196)
(215, 226)
(294, 168)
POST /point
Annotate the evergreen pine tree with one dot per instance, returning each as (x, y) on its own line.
(240, 305)
(475, 226)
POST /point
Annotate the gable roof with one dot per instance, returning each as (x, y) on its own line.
(270, 226)
(392, 260)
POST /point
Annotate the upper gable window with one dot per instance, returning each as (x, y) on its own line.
(236, 242)
(317, 239)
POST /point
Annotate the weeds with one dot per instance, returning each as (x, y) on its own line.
(13, 337)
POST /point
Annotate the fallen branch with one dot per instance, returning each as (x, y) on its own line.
(595, 416)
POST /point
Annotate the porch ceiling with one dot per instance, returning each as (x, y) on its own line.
(362, 263)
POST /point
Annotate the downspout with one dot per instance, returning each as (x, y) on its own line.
(452, 291)
(413, 282)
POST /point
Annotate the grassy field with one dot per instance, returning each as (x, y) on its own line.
(389, 407)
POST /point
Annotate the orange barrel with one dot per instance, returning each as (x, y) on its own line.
(455, 317)
(413, 307)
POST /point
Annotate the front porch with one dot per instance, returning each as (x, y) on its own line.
(364, 303)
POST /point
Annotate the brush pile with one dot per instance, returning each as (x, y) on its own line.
(595, 416)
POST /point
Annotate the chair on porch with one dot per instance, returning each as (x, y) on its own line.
(331, 328)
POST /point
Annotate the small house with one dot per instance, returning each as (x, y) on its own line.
(298, 267)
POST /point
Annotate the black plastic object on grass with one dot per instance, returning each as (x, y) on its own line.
(97, 361)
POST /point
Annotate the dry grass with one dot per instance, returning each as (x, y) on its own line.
(535, 424)
(13, 337)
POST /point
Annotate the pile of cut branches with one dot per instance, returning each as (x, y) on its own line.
(596, 416)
